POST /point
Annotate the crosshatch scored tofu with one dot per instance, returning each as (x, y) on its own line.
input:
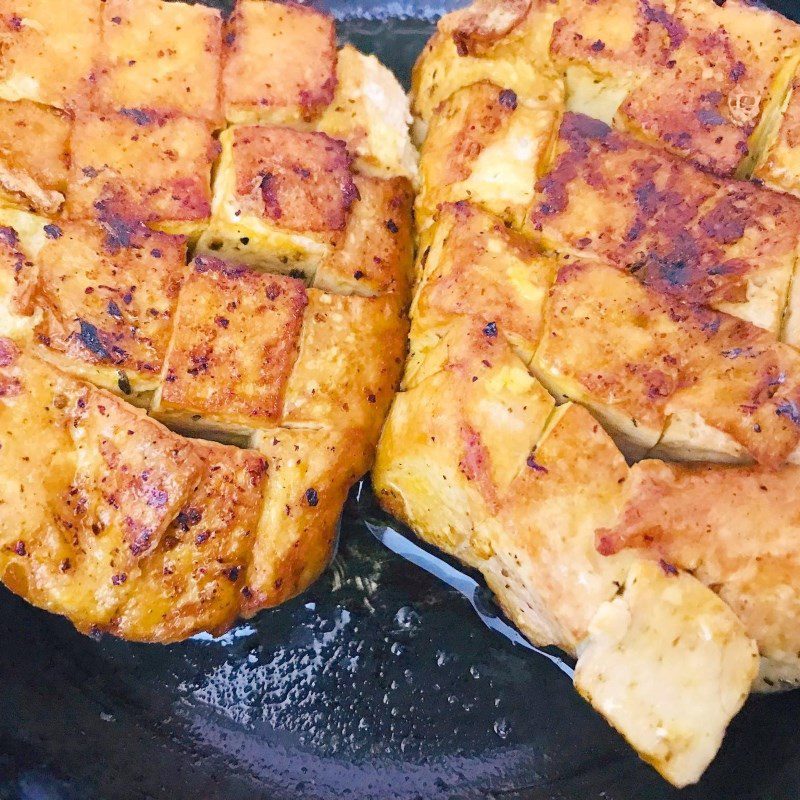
(108, 296)
(34, 156)
(233, 347)
(47, 50)
(281, 198)
(160, 56)
(143, 165)
(725, 243)
(280, 63)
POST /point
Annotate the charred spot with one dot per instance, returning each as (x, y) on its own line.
(199, 364)
(710, 117)
(312, 498)
(391, 226)
(598, 46)
(490, 329)
(533, 464)
(667, 568)
(508, 99)
(124, 384)
(114, 310)
(358, 274)
(269, 196)
(8, 236)
(350, 195)
(52, 231)
(789, 410)
(90, 172)
(221, 322)
(140, 116)
(19, 548)
(90, 339)
(232, 573)
(188, 518)
(119, 578)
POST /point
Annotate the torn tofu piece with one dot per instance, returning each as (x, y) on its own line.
(668, 664)
(48, 50)
(349, 361)
(280, 63)
(88, 487)
(310, 474)
(737, 530)
(374, 256)
(282, 198)
(107, 296)
(141, 165)
(194, 581)
(476, 267)
(34, 156)
(504, 42)
(160, 56)
(233, 347)
(729, 244)
(485, 145)
(370, 111)
(637, 359)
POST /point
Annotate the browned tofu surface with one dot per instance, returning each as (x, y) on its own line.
(728, 244)
(280, 62)
(233, 348)
(160, 56)
(141, 164)
(194, 581)
(108, 296)
(18, 277)
(300, 181)
(477, 27)
(47, 50)
(374, 256)
(34, 156)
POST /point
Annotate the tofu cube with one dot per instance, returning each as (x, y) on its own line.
(108, 298)
(142, 165)
(280, 63)
(160, 56)
(234, 345)
(282, 198)
(48, 50)
(34, 156)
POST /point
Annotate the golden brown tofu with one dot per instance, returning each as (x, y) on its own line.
(142, 165)
(504, 42)
(348, 365)
(193, 582)
(34, 156)
(108, 294)
(89, 487)
(18, 276)
(725, 243)
(310, 473)
(638, 360)
(233, 347)
(374, 256)
(47, 50)
(484, 145)
(161, 56)
(734, 528)
(370, 111)
(281, 198)
(280, 63)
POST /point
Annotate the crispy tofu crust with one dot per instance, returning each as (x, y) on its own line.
(280, 63)
(107, 295)
(139, 164)
(161, 56)
(233, 347)
(47, 50)
(34, 156)
(725, 243)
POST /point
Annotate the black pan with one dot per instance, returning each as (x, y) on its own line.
(380, 682)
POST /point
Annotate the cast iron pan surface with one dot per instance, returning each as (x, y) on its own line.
(380, 682)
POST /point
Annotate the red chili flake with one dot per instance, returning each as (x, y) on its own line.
(19, 548)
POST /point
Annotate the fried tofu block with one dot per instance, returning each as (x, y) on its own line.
(375, 254)
(668, 664)
(194, 581)
(476, 267)
(735, 529)
(47, 50)
(233, 347)
(350, 358)
(108, 295)
(142, 165)
(281, 198)
(165, 57)
(457, 438)
(636, 359)
(484, 145)
(310, 473)
(724, 243)
(370, 111)
(89, 487)
(504, 42)
(34, 156)
(280, 63)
